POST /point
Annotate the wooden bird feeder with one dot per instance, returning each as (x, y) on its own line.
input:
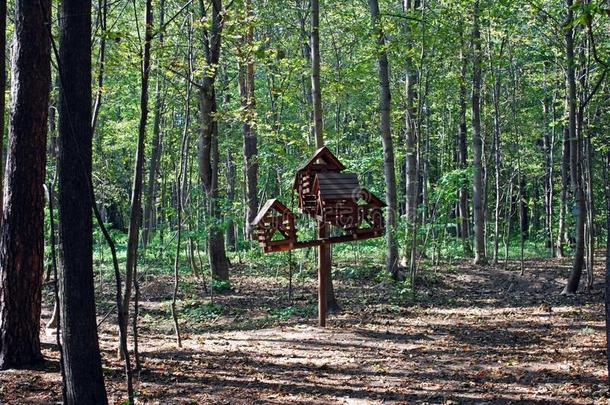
(329, 196)
(273, 220)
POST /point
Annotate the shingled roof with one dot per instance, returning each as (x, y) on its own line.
(272, 203)
(334, 185)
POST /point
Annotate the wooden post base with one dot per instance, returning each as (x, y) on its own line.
(323, 270)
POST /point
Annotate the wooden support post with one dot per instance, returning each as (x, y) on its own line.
(323, 270)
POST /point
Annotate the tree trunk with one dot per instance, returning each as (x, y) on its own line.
(180, 180)
(477, 143)
(324, 250)
(208, 144)
(81, 354)
(607, 283)
(386, 140)
(97, 104)
(231, 180)
(509, 217)
(462, 154)
(155, 153)
(306, 53)
(411, 136)
(135, 214)
(563, 198)
(2, 92)
(21, 235)
(248, 102)
(548, 140)
(497, 150)
(575, 174)
(315, 73)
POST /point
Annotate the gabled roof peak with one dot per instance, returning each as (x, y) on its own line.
(327, 156)
(273, 203)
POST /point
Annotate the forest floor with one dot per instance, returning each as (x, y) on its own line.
(472, 335)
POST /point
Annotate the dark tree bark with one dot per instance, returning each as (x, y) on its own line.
(607, 283)
(391, 263)
(575, 144)
(304, 6)
(2, 92)
(315, 73)
(462, 154)
(208, 140)
(248, 102)
(21, 235)
(477, 143)
(325, 253)
(155, 153)
(82, 361)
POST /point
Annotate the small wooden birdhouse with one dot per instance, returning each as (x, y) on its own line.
(274, 227)
(322, 161)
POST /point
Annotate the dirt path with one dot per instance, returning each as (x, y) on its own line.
(479, 336)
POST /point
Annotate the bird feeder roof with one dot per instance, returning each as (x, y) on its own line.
(272, 204)
(322, 160)
(334, 185)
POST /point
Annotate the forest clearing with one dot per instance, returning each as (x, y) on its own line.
(471, 337)
(305, 202)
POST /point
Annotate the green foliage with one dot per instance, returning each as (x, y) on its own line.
(199, 312)
(360, 272)
(221, 286)
(285, 313)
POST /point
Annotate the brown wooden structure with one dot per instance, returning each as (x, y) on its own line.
(275, 219)
(322, 161)
(331, 197)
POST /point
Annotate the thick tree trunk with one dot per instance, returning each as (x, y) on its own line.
(81, 354)
(248, 102)
(155, 153)
(208, 172)
(575, 173)
(21, 235)
(208, 143)
(477, 143)
(391, 263)
(2, 92)
(315, 73)
(304, 6)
